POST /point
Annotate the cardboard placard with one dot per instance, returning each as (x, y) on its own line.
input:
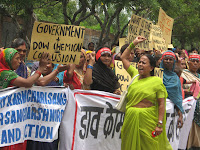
(140, 26)
(122, 41)
(63, 42)
(125, 78)
(157, 40)
(166, 24)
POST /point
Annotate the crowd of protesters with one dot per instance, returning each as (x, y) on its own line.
(96, 71)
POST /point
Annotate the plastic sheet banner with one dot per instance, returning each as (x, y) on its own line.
(30, 114)
(91, 122)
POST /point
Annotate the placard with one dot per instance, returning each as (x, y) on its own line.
(63, 42)
(157, 40)
(123, 41)
(140, 26)
(166, 24)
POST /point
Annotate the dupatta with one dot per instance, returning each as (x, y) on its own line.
(6, 72)
(173, 85)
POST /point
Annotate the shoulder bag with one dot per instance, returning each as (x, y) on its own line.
(121, 105)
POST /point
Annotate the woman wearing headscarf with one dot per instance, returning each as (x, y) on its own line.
(172, 82)
(145, 117)
(191, 75)
(10, 61)
(100, 76)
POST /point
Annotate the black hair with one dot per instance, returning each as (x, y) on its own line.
(157, 57)
(193, 49)
(17, 42)
(90, 43)
(152, 63)
(123, 48)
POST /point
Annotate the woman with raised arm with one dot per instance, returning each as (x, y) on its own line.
(74, 75)
(145, 116)
(99, 75)
(10, 61)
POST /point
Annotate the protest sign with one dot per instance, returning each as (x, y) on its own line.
(140, 26)
(124, 78)
(31, 114)
(91, 122)
(122, 41)
(166, 24)
(157, 40)
(63, 42)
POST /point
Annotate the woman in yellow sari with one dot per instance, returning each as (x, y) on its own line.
(145, 110)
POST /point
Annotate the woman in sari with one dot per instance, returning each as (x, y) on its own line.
(74, 76)
(10, 61)
(172, 83)
(145, 110)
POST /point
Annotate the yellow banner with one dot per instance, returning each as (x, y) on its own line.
(63, 42)
(140, 26)
(166, 24)
(125, 78)
(157, 40)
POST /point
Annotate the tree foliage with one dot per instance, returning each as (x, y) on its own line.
(108, 16)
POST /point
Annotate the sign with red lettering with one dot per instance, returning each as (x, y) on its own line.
(166, 24)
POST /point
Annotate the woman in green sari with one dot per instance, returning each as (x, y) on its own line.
(145, 109)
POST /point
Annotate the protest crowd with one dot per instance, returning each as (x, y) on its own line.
(96, 70)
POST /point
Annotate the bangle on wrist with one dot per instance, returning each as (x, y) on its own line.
(159, 125)
(131, 45)
(38, 72)
(89, 66)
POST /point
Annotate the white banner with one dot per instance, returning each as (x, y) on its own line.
(30, 114)
(91, 122)
(176, 136)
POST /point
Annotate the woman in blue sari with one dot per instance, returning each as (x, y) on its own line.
(172, 83)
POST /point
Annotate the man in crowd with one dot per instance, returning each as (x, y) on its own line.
(20, 45)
